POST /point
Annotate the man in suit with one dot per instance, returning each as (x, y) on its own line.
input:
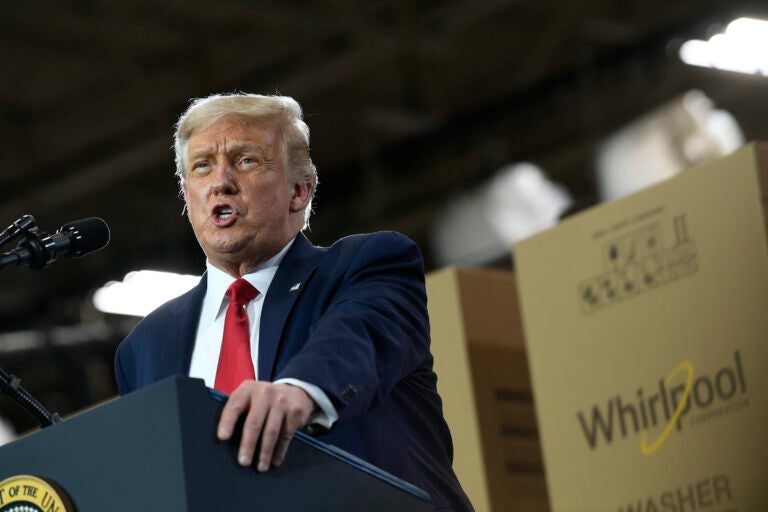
(332, 338)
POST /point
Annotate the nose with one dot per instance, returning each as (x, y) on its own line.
(224, 180)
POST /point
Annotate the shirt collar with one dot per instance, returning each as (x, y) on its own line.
(218, 281)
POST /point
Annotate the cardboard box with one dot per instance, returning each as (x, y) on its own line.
(485, 385)
(646, 323)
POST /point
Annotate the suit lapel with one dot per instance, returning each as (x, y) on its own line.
(289, 282)
(186, 313)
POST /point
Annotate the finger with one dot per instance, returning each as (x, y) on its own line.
(295, 418)
(235, 407)
(282, 448)
(252, 429)
(269, 437)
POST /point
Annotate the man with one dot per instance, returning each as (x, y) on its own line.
(337, 337)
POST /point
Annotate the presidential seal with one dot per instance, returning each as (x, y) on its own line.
(25, 493)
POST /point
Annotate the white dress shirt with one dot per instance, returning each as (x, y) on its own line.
(210, 331)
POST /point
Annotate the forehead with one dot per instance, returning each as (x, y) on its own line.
(234, 128)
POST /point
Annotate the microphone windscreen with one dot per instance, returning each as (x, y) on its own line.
(86, 235)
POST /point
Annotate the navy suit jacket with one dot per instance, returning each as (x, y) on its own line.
(351, 319)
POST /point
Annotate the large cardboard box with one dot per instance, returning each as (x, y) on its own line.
(646, 324)
(485, 385)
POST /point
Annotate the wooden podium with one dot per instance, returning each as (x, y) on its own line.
(156, 450)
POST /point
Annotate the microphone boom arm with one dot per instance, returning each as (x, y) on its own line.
(11, 385)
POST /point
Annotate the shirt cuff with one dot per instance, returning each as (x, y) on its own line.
(326, 414)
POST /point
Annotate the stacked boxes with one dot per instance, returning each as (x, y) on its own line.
(646, 325)
(484, 382)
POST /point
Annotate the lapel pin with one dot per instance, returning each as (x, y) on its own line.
(295, 287)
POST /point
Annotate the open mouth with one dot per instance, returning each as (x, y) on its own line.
(224, 215)
(223, 212)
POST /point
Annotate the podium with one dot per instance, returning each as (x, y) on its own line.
(156, 450)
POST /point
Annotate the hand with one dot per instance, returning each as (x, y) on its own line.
(274, 413)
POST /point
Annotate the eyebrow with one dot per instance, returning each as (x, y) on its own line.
(236, 148)
(244, 147)
(199, 154)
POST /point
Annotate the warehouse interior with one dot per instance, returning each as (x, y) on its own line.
(418, 111)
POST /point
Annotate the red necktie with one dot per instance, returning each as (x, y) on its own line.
(235, 363)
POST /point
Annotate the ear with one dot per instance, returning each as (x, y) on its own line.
(300, 193)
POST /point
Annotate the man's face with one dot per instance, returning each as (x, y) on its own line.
(241, 204)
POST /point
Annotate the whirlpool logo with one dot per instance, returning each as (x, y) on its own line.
(655, 416)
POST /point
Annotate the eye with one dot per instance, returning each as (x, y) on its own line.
(200, 167)
(248, 160)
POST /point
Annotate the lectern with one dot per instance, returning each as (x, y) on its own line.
(156, 450)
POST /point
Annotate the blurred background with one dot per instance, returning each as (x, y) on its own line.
(465, 124)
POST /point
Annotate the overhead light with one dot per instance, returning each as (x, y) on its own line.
(740, 48)
(141, 291)
(480, 226)
(683, 132)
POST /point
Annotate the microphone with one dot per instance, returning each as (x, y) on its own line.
(81, 237)
(22, 224)
(75, 239)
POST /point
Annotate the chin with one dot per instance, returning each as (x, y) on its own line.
(225, 246)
